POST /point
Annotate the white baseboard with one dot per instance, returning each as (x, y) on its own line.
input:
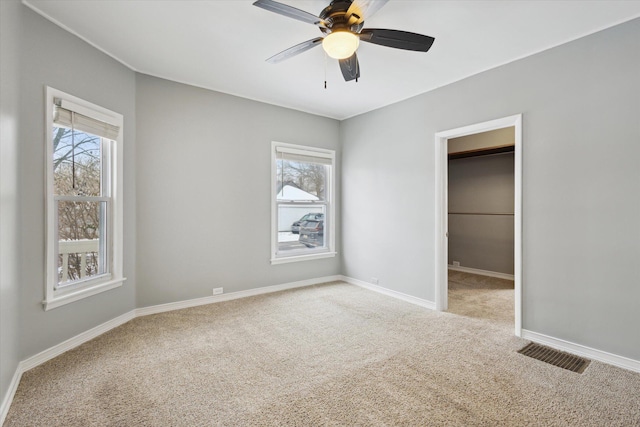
(482, 272)
(57, 350)
(388, 292)
(583, 351)
(231, 296)
(73, 342)
(92, 333)
(8, 398)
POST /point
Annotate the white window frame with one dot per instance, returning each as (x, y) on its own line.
(329, 222)
(114, 252)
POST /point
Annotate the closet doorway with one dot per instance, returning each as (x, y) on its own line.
(479, 221)
(480, 194)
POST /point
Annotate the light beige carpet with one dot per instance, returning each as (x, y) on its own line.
(481, 297)
(329, 355)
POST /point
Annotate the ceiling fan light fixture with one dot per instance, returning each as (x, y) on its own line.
(340, 44)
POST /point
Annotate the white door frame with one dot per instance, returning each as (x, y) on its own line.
(441, 236)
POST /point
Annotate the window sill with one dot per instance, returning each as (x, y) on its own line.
(298, 258)
(81, 294)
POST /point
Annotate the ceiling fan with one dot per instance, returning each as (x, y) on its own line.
(341, 24)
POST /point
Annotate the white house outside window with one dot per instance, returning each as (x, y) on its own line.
(84, 199)
(302, 203)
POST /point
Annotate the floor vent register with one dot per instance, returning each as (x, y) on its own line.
(555, 357)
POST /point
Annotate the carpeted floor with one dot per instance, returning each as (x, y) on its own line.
(481, 297)
(327, 355)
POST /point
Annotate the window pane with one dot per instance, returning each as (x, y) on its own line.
(81, 240)
(76, 163)
(301, 181)
(301, 227)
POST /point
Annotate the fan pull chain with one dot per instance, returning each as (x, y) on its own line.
(325, 70)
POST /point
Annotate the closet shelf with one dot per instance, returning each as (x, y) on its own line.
(480, 213)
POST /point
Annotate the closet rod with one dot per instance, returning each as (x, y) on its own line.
(479, 213)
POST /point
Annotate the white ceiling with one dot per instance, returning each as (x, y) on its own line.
(222, 44)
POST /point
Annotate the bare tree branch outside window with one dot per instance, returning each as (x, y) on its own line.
(77, 155)
(310, 177)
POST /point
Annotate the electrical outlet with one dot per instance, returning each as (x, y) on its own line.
(218, 291)
(374, 280)
(456, 263)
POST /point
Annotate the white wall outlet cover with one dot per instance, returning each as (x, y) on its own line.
(218, 291)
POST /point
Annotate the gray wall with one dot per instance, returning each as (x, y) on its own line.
(482, 185)
(580, 101)
(10, 12)
(387, 198)
(581, 165)
(53, 57)
(204, 191)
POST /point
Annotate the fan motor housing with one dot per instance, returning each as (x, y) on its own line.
(336, 16)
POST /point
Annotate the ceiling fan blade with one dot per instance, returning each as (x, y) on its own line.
(295, 50)
(364, 9)
(290, 11)
(397, 39)
(350, 68)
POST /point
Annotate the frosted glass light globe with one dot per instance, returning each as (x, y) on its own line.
(340, 44)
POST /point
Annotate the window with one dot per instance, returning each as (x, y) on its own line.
(302, 185)
(84, 199)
